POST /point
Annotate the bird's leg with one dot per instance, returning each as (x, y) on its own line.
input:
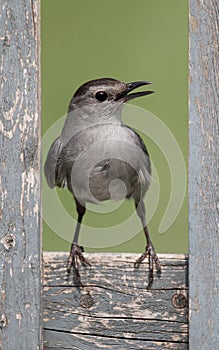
(149, 250)
(76, 252)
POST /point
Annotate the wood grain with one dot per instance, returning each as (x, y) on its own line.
(20, 257)
(124, 314)
(203, 175)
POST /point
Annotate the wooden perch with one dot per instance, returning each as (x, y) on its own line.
(114, 309)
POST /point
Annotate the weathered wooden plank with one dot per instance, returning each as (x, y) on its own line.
(174, 271)
(20, 257)
(203, 175)
(69, 341)
(116, 315)
(123, 310)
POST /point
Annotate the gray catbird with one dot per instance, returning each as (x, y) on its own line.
(99, 158)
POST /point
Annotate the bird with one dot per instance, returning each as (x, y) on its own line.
(98, 158)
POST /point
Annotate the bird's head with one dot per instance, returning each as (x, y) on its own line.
(105, 96)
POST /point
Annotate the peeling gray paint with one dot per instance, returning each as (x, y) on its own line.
(20, 257)
(203, 175)
(119, 312)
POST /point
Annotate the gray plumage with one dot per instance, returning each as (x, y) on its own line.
(98, 157)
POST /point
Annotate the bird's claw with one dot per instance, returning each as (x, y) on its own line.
(75, 257)
(152, 259)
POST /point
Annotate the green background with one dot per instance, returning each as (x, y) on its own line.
(127, 40)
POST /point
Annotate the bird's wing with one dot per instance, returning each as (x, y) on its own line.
(51, 164)
(141, 161)
(66, 158)
(139, 140)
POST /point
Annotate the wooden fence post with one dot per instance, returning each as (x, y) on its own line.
(20, 254)
(203, 176)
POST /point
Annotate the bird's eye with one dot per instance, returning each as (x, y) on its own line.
(101, 96)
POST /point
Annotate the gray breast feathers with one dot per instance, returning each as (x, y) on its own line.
(95, 158)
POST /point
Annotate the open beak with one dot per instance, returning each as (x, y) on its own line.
(126, 96)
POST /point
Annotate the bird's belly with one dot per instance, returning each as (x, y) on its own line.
(109, 179)
(110, 166)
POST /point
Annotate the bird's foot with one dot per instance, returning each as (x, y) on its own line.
(152, 259)
(75, 257)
